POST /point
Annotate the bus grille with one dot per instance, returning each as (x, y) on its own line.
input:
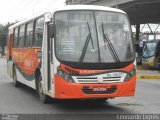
(95, 80)
(101, 78)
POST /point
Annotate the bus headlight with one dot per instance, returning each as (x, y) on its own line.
(65, 76)
(130, 74)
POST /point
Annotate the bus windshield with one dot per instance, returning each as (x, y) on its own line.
(93, 37)
(149, 50)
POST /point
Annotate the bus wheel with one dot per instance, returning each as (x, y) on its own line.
(15, 82)
(42, 96)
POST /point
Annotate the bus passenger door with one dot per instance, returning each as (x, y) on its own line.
(50, 58)
(51, 67)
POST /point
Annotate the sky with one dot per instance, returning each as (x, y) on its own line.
(17, 10)
(12, 10)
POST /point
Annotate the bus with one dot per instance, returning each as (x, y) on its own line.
(74, 52)
(151, 54)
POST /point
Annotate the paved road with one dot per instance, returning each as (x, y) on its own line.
(24, 100)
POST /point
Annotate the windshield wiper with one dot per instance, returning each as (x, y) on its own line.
(110, 46)
(89, 37)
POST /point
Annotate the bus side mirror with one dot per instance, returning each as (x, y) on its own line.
(51, 30)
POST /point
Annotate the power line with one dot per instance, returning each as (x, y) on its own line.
(19, 6)
(30, 6)
(27, 5)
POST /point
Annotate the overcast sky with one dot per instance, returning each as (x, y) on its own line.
(12, 10)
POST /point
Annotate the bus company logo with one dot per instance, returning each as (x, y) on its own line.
(100, 79)
(71, 71)
(28, 63)
(87, 71)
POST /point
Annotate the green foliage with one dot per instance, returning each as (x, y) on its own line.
(3, 35)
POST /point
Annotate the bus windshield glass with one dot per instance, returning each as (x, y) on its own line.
(149, 50)
(93, 37)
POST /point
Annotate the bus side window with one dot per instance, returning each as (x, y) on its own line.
(15, 40)
(21, 36)
(38, 34)
(29, 34)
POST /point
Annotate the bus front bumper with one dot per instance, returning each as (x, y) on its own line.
(65, 90)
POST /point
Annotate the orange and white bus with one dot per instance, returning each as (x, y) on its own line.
(74, 52)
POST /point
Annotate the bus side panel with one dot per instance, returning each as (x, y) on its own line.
(10, 42)
(10, 68)
(9, 54)
(27, 61)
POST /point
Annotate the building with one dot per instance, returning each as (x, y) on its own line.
(97, 2)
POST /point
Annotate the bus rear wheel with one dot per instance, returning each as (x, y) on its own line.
(42, 96)
(15, 82)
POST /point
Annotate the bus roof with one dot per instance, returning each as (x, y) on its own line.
(69, 7)
(88, 7)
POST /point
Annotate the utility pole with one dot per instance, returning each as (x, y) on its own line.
(116, 3)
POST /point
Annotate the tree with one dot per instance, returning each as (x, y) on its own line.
(3, 36)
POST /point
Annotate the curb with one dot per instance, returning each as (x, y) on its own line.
(148, 76)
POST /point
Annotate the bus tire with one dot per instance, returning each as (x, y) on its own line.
(42, 96)
(15, 82)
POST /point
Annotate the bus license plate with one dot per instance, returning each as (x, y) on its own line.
(115, 74)
(100, 89)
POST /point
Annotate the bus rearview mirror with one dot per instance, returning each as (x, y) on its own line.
(52, 30)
